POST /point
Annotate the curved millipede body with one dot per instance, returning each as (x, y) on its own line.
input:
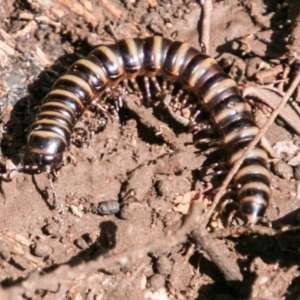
(108, 65)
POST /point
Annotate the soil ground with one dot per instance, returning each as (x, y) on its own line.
(130, 163)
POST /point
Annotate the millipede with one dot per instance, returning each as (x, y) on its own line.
(155, 57)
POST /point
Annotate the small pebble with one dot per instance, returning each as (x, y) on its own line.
(81, 243)
(283, 170)
(41, 249)
(297, 172)
(156, 281)
(110, 207)
(163, 265)
(76, 210)
(51, 229)
(5, 251)
(252, 66)
(163, 187)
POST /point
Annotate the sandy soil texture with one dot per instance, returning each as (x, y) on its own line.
(141, 166)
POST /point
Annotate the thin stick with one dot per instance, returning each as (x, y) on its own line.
(205, 23)
(257, 138)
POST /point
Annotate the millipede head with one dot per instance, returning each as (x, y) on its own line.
(44, 160)
(46, 148)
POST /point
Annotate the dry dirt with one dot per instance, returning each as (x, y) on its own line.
(136, 161)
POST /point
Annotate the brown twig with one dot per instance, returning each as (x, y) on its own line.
(205, 23)
(216, 250)
(115, 11)
(243, 230)
(78, 9)
(284, 76)
(152, 3)
(218, 253)
(260, 134)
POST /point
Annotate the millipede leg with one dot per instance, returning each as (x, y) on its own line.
(126, 86)
(171, 87)
(51, 186)
(136, 88)
(178, 95)
(155, 83)
(193, 124)
(184, 100)
(100, 109)
(147, 88)
(164, 87)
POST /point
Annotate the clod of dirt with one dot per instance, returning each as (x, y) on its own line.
(81, 243)
(156, 281)
(163, 265)
(283, 170)
(287, 147)
(162, 187)
(134, 183)
(51, 229)
(41, 249)
(181, 274)
(297, 172)
(253, 65)
(236, 66)
(5, 251)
